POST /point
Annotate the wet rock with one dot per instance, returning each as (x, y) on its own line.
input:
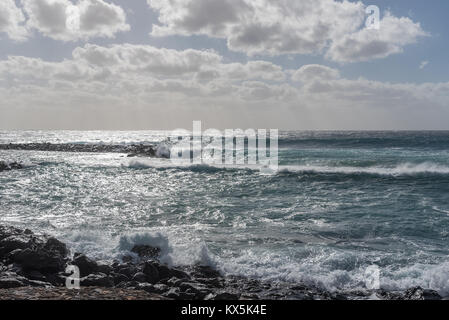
(118, 278)
(105, 268)
(198, 291)
(151, 272)
(10, 280)
(419, 293)
(146, 252)
(36, 275)
(127, 258)
(225, 296)
(147, 287)
(139, 277)
(86, 265)
(31, 252)
(54, 245)
(205, 272)
(13, 244)
(39, 259)
(128, 285)
(4, 166)
(97, 280)
(173, 293)
(33, 260)
(140, 150)
(126, 269)
(174, 282)
(160, 288)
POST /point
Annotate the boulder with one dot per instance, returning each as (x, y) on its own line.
(39, 259)
(97, 280)
(86, 265)
(146, 252)
(4, 166)
(139, 277)
(10, 280)
(151, 272)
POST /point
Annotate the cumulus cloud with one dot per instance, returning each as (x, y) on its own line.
(287, 27)
(119, 81)
(144, 68)
(66, 21)
(12, 20)
(367, 44)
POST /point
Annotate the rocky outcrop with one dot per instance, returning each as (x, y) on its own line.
(34, 259)
(5, 166)
(134, 150)
(39, 261)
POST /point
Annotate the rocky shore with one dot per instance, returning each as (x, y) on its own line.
(34, 266)
(134, 150)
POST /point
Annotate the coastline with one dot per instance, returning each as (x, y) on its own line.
(33, 267)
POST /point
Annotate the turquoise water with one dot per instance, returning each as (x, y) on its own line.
(341, 202)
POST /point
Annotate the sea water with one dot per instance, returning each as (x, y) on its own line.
(340, 203)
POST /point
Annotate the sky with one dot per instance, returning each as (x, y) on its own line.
(286, 64)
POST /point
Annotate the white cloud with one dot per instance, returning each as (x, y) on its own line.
(287, 27)
(315, 72)
(63, 20)
(367, 44)
(119, 81)
(12, 20)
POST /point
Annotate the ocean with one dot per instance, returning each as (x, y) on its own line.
(341, 203)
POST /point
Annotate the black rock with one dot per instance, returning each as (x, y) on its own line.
(146, 287)
(54, 245)
(40, 259)
(160, 288)
(139, 277)
(10, 280)
(173, 293)
(174, 282)
(4, 166)
(226, 296)
(146, 252)
(128, 270)
(15, 242)
(419, 293)
(205, 272)
(97, 280)
(86, 265)
(32, 252)
(36, 275)
(151, 272)
(118, 278)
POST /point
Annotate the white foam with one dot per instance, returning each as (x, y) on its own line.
(402, 169)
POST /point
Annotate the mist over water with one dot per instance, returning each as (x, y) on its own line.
(341, 202)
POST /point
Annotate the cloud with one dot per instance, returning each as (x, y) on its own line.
(263, 27)
(63, 20)
(12, 20)
(315, 72)
(133, 82)
(368, 44)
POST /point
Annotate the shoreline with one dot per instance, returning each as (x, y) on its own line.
(33, 267)
(133, 150)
